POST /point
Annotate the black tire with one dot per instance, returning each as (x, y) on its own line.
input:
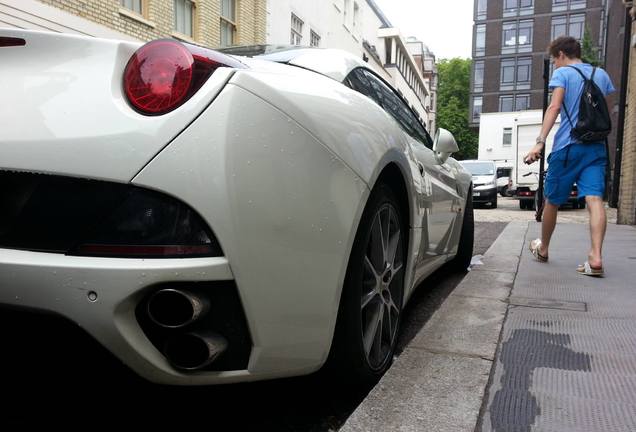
(466, 239)
(493, 203)
(582, 204)
(504, 192)
(522, 205)
(575, 205)
(349, 358)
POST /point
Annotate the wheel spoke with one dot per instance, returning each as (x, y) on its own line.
(371, 330)
(376, 245)
(377, 340)
(366, 298)
(394, 242)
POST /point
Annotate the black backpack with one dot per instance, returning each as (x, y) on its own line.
(594, 123)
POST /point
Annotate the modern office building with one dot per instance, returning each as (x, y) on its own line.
(509, 45)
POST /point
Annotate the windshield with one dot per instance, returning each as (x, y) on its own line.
(480, 168)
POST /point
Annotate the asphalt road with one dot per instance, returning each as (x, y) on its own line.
(88, 396)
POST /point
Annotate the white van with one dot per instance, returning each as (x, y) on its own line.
(484, 174)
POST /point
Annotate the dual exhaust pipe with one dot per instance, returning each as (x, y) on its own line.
(176, 309)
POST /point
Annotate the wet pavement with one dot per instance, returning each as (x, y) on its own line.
(95, 394)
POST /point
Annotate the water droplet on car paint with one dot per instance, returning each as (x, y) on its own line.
(250, 202)
(291, 132)
(339, 242)
(176, 273)
(249, 162)
(320, 230)
(92, 296)
(143, 275)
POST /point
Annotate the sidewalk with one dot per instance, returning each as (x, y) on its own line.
(565, 358)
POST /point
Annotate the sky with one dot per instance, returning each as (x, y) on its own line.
(446, 26)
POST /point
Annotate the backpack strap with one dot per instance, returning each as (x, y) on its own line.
(585, 80)
(582, 74)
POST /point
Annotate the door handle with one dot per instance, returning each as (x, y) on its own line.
(420, 167)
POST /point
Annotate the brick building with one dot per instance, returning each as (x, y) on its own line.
(627, 197)
(211, 23)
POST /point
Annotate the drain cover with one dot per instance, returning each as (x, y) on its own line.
(548, 304)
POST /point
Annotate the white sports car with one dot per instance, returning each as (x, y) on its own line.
(210, 217)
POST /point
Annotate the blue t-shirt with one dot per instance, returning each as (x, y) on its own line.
(569, 79)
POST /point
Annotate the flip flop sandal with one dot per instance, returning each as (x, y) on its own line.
(587, 270)
(535, 245)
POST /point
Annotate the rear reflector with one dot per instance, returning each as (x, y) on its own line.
(11, 42)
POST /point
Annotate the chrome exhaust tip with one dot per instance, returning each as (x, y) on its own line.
(195, 350)
(173, 308)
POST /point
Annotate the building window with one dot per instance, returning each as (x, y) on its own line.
(576, 27)
(517, 36)
(228, 22)
(133, 5)
(561, 5)
(478, 78)
(478, 102)
(524, 73)
(524, 38)
(482, 9)
(518, 7)
(507, 75)
(507, 137)
(511, 6)
(522, 102)
(506, 103)
(183, 17)
(314, 39)
(570, 25)
(296, 30)
(480, 40)
(559, 26)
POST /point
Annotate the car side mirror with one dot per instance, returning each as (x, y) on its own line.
(444, 145)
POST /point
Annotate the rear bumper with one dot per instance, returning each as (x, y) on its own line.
(485, 195)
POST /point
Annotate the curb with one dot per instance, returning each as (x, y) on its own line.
(439, 381)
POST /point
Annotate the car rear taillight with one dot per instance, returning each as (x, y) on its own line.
(164, 74)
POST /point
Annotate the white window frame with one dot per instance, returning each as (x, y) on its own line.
(314, 39)
(228, 23)
(184, 30)
(130, 5)
(296, 35)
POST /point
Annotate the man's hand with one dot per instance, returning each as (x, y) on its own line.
(534, 154)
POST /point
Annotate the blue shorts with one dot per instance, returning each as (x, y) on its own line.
(583, 164)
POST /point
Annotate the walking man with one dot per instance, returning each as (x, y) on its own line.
(572, 161)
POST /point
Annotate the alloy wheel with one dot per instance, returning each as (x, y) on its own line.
(382, 289)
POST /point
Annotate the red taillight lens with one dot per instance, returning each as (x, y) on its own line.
(158, 76)
(163, 74)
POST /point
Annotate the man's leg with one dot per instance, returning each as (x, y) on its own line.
(598, 226)
(547, 227)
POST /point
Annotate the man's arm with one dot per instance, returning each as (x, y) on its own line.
(558, 94)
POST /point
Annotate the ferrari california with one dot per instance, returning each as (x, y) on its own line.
(213, 217)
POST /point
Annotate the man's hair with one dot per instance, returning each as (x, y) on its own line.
(570, 47)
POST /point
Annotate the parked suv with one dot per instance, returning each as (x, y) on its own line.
(484, 181)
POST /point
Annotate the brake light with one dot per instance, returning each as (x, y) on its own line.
(164, 74)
